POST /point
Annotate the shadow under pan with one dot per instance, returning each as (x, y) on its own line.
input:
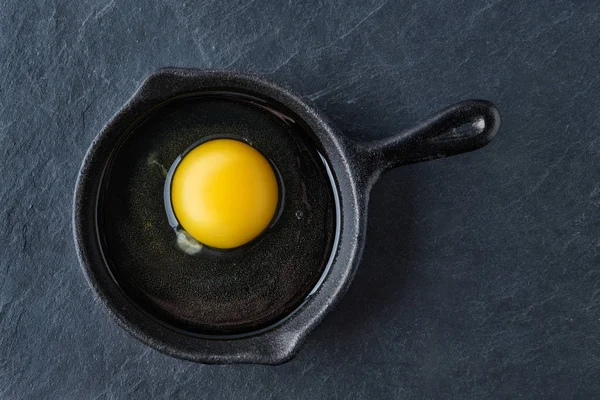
(250, 289)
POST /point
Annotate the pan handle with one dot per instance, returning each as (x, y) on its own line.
(462, 127)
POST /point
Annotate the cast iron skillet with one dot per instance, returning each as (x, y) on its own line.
(355, 167)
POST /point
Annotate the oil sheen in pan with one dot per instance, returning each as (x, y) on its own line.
(251, 289)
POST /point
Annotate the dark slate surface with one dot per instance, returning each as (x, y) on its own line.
(481, 276)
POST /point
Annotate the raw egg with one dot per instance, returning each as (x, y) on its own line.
(224, 193)
(190, 286)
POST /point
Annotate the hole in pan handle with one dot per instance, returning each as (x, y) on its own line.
(460, 128)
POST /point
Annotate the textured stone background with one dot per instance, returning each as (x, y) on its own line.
(481, 276)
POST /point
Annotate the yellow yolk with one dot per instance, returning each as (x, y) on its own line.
(224, 193)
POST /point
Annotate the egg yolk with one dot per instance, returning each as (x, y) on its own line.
(224, 193)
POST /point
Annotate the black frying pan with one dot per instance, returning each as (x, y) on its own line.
(256, 305)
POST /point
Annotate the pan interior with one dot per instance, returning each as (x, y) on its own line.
(216, 294)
